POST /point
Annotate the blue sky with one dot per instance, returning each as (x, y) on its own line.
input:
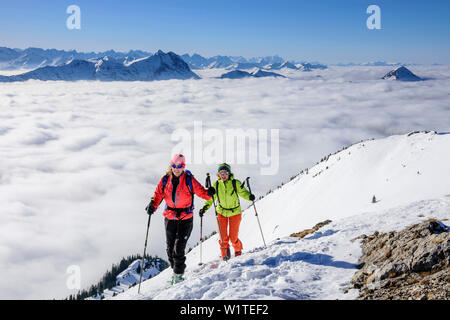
(328, 31)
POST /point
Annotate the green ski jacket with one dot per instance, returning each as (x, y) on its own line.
(227, 196)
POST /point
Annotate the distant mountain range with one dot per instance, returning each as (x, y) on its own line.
(378, 64)
(160, 66)
(136, 65)
(196, 61)
(256, 73)
(32, 58)
(371, 64)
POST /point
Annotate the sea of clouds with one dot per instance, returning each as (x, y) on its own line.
(80, 160)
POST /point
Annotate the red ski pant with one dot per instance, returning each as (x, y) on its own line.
(230, 235)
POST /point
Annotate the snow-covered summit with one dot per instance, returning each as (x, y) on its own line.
(402, 74)
(236, 74)
(258, 73)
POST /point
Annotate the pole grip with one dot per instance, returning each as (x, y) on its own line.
(208, 180)
(248, 184)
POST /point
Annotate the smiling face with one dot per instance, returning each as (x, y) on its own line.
(224, 175)
(177, 171)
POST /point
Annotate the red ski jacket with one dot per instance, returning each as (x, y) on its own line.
(183, 196)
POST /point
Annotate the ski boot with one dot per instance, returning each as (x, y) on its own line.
(228, 256)
(176, 278)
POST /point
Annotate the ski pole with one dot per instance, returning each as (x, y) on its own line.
(201, 239)
(256, 212)
(208, 184)
(145, 249)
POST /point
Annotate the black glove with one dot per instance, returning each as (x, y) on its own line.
(201, 212)
(251, 197)
(211, 191)
(150, 208)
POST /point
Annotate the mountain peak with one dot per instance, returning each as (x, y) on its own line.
(402, 74)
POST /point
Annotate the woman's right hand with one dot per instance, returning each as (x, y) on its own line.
(150, 209)
(211, 191)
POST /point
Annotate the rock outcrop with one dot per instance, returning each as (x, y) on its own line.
(306, 232)
(410, 264)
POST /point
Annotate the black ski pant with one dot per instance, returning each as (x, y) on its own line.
(177, 235)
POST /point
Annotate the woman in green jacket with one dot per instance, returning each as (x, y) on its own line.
(228, 189)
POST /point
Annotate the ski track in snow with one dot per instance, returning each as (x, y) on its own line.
(319, 266)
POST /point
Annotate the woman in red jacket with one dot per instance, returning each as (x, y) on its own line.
(177, 189)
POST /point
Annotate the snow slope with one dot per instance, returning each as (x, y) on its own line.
(319, 266)
(405, 173)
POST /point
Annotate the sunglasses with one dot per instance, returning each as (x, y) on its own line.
(223, 173)
(178, 166)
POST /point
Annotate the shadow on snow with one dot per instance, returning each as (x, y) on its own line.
(312, 258)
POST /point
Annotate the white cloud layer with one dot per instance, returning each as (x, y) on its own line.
(79, 161)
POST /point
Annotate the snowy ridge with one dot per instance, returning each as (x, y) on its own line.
(403, 172)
